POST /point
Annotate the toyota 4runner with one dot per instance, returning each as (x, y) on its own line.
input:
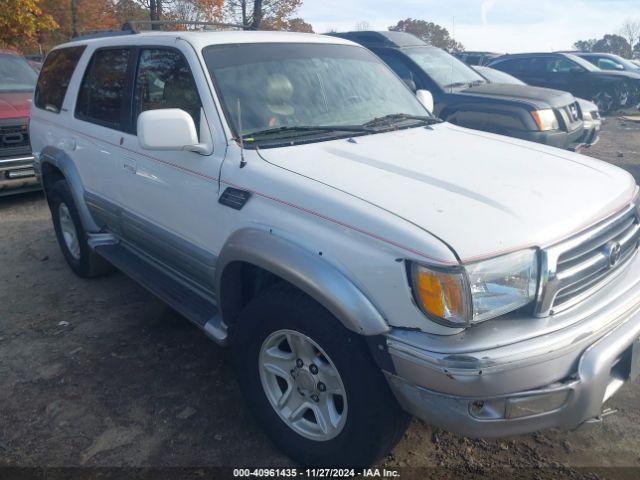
(290, 195)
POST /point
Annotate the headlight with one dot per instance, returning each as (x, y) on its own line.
(503, 284)
(477, 292)
(586, 116)
(545, 120)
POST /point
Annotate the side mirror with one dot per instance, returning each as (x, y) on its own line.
(426, 99)
(169, 129)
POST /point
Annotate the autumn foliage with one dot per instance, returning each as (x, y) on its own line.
(21, 21)
(32, 25)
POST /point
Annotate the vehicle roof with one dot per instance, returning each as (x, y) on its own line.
(384, 38)
(531, 54)
(202, 39)
(476, 52)
(591, 54)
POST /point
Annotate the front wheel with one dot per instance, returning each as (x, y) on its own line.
(312, 384)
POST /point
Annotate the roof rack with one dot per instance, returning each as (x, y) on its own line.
(128, 28)
(130, 24)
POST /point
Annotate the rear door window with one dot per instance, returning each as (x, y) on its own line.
(102, 94)
(55, 77)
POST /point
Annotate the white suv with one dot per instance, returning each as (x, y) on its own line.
(288, 194)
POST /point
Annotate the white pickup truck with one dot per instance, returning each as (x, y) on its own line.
(289, 195)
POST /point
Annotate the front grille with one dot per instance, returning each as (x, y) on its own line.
(571, 115)
(578, 266)
(13, 137)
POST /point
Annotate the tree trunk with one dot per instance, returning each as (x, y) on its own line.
(74, 18)
(155, 12)
(243, 9)
(257, 15)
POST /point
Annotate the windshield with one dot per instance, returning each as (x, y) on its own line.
(447, 71)
(294, 86)
(496, 76)
(16, 75)
(582, 62)
(628, 65)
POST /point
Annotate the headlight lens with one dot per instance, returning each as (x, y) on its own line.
(503, 284)
(477, 292)
(545, 120)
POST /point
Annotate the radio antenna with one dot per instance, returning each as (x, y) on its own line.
(243, 162)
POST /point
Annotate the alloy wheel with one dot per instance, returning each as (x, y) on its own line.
(69, 233)
(303, 385)
(604, 101)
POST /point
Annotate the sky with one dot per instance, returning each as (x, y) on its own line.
(505, 26)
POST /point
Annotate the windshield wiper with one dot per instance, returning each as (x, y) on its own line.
(456, 85)
(475, 83)
(401, 117)
(304, 129)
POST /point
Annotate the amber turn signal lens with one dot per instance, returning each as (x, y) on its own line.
(440, 294)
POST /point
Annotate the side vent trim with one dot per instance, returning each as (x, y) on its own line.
(234, 198)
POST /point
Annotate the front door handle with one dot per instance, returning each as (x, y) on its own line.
(130, 167)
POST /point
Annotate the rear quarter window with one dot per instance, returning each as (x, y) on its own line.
(55, 77)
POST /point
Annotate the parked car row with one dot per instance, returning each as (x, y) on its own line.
(464, 97)
(364, 260)
(609, 89)
(608, 80)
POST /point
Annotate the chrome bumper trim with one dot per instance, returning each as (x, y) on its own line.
(589, 382)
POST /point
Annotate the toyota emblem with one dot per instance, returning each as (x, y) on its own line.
(612, 251)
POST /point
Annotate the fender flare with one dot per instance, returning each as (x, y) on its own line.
(59, 159)
(306, 271)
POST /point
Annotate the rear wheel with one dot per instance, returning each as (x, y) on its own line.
(71, 235)
(605, 100)
(312, 384)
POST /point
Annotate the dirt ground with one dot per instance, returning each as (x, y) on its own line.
(101, 373)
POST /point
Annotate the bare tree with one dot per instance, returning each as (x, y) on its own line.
(256, 14)
(631, 31)
(363, 26)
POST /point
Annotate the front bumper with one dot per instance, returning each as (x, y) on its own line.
(17, 175)
(559, 379)
(555, 138)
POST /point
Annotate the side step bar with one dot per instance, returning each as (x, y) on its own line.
(202, 312)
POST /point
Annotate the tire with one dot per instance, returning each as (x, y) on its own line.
(606, 99)
(66, 220)
(371, 421)
(624, 95)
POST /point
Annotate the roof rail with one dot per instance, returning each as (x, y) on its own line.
(129, 25)
(89, 34)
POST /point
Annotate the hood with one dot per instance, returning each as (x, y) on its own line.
(15, 104)
(480, 193)
(540, 97)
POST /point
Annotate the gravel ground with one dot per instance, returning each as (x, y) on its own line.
(101, 373)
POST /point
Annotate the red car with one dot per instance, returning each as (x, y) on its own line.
(17, 82)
